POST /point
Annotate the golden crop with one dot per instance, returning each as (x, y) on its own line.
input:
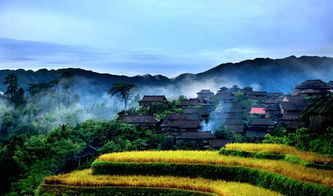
(282, 149)
(85, 178)
(295, 171)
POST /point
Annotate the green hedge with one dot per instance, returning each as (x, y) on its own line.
(56, 189)
(274, 156)
(264, 179)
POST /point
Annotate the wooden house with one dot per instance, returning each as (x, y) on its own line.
(273, 111)
(205, 94)
(180, 125)
(205, 139)
(86, 154)
(140, 120)
(149, 100)
(234, 124)
(291, 122)
(312, 87)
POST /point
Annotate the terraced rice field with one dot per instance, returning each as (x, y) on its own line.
(281, 149)
(198, 173)
(294, 171)
(85, 178)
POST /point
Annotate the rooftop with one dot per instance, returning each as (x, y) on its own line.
(262, 121)
(205, 91)
(257, 110)
(312, 84)
(197, 135)
(292, 107)
(290, 117)
(192, 102)
(133, 119)
(181, 123)
(233, 121)
(154, 98)
(298, 100)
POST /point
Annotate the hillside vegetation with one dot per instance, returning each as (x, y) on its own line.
(278, 152)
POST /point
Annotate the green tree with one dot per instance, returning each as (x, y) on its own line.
(66, 83)
(14, 94)
(12, 86)
(122, 89)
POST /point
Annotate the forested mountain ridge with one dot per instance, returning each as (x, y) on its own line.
(269, 74)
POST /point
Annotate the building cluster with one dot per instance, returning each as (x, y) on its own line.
(243, 110)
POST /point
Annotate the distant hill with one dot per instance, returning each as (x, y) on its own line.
(268, 74)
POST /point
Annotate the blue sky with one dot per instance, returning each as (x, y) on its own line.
(167, 37)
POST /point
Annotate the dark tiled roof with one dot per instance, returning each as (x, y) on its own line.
(154, 98)
(262, 121)
(276, 94)
(248, 88)
(293, 124)
(235, 110)
(200, 111)
(312, 84)
(234, 115)
(299, 100)
(292, 107)
(182, 123)
(257, 93)
(197, 135)
(131, 119)
(330, 83)
(175, 116)
(272, 100)
(233, 121)
(185, 116)
(290, 117)
(205, 91)
(192, 102)
(223, 89)
(218, 143)
(273, 107)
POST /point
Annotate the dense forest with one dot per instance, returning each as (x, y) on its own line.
(43, 134)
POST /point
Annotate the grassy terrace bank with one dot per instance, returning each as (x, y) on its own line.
(281, 149)
(298, 172)
(67, 183)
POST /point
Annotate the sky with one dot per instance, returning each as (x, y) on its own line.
(169, 37)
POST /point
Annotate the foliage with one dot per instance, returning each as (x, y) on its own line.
(318, 115)
(304, 139)
(280, 149)
(223, 133)
(122, 89)
(40, 155)
(14, 93)
(275, 156)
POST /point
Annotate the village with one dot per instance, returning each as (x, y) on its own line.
(241, 111)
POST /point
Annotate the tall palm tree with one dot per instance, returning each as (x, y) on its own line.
(122, 89)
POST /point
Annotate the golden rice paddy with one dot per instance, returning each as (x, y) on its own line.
(282, 149)
(219, 187)
(295, 171)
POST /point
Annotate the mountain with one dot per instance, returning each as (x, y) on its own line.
(264, 73)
